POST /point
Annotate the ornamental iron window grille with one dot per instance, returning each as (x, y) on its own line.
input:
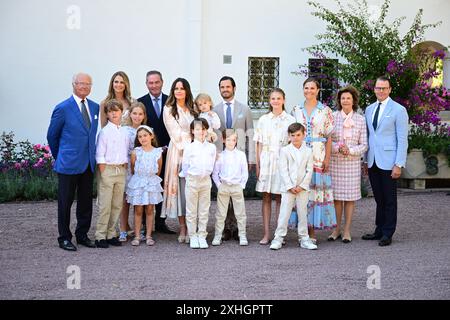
(324, 70)
(263, 76)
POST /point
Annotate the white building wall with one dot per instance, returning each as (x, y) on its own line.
(187, 38)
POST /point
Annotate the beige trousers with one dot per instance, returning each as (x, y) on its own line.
(198, 200)
(288, 200)
(111, 185)
(224, 193)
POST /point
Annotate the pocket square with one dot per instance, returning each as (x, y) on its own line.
(95, 117)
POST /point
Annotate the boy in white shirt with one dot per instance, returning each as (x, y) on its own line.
(230, 176)
(296, 168)
(197, 165)
(112, 158)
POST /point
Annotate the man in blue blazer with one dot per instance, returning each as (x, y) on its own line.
(387, 124)
(154, 103)
(71, 137)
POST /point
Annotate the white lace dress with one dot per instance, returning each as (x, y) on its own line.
(144, 186)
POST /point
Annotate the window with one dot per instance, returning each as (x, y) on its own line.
(263, 76)
(324, 70)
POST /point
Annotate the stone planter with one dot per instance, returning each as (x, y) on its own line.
(415, 171)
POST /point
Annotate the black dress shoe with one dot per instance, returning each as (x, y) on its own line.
(67, 245)
(371, 236)
(101, 244)
(86, 242)
(385, 241)
(226, 235)
(163, 229)
(114, 242)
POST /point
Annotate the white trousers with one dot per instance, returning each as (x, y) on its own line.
(288, 200)
(224, 193)
(198, 200)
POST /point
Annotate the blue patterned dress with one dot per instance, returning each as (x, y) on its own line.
(319, 125)
(144, 186)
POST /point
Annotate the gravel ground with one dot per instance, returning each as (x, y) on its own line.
(415, 266)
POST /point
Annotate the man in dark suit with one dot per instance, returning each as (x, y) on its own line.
(71, 137)
(154, 103)
(387, 124)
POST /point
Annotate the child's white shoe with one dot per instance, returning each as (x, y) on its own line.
(202, 243)
(194, 242)
(217, 241)
(306, 243)
(243, 241)
(276, 245)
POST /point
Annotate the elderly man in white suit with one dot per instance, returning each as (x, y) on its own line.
(387, 125)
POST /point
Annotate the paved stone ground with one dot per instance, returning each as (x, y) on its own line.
(415, 266)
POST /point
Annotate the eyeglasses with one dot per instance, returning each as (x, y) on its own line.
(382, 88)
(85, 84)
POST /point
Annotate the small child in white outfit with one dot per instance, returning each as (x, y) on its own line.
(230, 176)
(296, 168)
(197, 166)
(203, 103)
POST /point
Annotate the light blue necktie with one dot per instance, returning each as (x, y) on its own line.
(157, 108)
(229, 120)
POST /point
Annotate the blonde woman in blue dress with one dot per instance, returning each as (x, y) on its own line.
(271, 135)
(318, 121)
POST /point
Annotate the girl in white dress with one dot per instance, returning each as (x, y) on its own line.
(136, 117)
(270, 136)
(144, 187)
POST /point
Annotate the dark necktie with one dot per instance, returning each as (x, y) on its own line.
(229, 120)
(375, 118)
(85, 114)
(157, 108)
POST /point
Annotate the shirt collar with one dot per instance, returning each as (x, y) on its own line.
(225, 102)
(113, 125)
(385, 102)
(282, 115)
(78, 99)
(158, 97)
(200, 143)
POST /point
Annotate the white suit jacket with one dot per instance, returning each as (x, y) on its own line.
(295, 171)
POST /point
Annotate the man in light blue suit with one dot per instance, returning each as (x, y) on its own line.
(387, 125)
(71, 137)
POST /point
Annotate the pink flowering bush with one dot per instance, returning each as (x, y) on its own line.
(26, 169)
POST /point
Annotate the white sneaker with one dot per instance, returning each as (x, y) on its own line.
(307, 244)
(243, 241)
(194, 244)
(217, 241)
(202, 243)
(275, 245)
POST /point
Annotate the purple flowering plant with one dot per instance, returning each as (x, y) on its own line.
(367, 46)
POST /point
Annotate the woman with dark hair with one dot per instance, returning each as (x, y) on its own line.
(349, 140)
(318, 121)
(178, 114)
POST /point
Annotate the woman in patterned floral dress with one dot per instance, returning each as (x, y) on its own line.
(318, 121)
(270, 135)
(349, 139)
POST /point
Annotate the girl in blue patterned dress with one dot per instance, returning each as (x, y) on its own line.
(144, 187)
(137, 116)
